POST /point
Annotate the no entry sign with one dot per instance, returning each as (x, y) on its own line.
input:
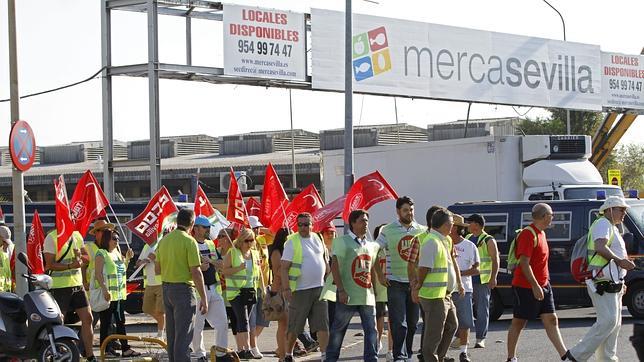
(22, 146)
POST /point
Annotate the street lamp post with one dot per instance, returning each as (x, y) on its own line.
(563, 23)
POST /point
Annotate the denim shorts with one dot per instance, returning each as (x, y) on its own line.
(464, 311)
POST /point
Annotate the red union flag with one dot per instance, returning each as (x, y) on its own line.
(202, 204)
(88, 202)
(306, 201)
(367, 191)
(64, 223)
(253, 207)
(274, 199)
(149, 225)
(35, 241)
(322, 217)
(236, 209)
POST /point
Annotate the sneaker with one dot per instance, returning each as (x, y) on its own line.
(312, 347)
(480, 343)
(463, 357)
(245, 355)
(513, 359)
(448, 359)
(390, 356)
(256, 353)
(111, 352)
(456, 343)
(298, 350)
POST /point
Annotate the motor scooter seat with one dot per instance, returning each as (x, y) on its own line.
(11, 304)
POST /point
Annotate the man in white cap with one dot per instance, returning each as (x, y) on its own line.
(609, 263)
(6, 250)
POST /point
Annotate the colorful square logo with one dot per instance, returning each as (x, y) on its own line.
(370, 54)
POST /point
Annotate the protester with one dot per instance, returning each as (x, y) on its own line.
(109, 271)
(484, 283)
(354, 263)
(67, 289)
(609, 263)
(152, 283)
(381, 302)
(396, 238)
(91, 246)
(304, 266)
(531, 288)
(412, 265)
(328, 234)
(275, 251)
(179, 263)
(438, 277)
(5, 259)
(257, 321)
(224, 242)
(243, 274)
(467, 258)
(216, 315)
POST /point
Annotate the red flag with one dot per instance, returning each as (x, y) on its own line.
(306, 201)
(64, 223)
(253, 207)
(88, 202)
(202, 204)
(149, 225)
(274, 197)
(322, 217)
(1, 215)
(35, 241)
(367, 191)
(236, 209)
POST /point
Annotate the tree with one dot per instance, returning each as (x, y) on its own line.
(584, 123)
(629, 159)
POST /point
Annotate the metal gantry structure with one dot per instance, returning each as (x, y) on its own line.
(155, 70)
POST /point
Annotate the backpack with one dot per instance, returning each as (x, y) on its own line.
(579, 258)
(513, 261)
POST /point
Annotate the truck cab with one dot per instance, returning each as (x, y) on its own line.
(572, 219)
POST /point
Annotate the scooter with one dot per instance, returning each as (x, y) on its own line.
(32, 328)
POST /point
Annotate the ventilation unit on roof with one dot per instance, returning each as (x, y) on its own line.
(224, 181)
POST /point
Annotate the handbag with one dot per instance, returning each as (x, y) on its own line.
(273, 306)
(247, 296)
(96, 300)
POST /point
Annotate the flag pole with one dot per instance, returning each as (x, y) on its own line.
(119, 224)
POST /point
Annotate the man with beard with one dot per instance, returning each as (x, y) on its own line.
(354, 262)
(397, 238)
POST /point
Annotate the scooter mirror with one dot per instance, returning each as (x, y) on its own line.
(23, 259)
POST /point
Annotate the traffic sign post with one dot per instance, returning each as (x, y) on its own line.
(22, 145)
(17, 180)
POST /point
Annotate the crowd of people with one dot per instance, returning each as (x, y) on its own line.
(312, 284)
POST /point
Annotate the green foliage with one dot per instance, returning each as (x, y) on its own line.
(630, 160)
(584, 123)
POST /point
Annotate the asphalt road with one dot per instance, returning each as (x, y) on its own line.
(533, 345)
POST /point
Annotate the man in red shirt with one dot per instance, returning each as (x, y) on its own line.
(530, 286)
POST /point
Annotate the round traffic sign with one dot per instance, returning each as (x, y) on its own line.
(22, 145)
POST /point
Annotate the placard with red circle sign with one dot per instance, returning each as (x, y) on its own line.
(22, 145)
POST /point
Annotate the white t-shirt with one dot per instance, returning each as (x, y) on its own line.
(426, 259)
(602, 230)
(150, 272)
(466, 256)
(313, 263)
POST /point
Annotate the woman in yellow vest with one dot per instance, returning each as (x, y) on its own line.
(109, 271)
(243, 281)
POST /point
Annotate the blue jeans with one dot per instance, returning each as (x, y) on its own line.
(342, 318)
(403, 316)
(482, 301)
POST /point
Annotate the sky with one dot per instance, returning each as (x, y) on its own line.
(59, 43)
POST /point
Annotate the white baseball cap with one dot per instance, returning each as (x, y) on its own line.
(613, 201)
(254, 222)
(5, 233)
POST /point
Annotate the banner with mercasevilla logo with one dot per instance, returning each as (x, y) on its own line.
(407, 58)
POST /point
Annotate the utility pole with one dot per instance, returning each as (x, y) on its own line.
(17, 180)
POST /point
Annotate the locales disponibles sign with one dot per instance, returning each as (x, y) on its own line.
(264, 43)
(409, 58)
(622, 81)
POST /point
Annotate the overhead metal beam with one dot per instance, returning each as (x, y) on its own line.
(106, 89)
(153, 96)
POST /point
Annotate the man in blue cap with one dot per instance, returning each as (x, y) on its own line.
(210, 266)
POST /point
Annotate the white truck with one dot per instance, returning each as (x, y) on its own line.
(492, 168)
